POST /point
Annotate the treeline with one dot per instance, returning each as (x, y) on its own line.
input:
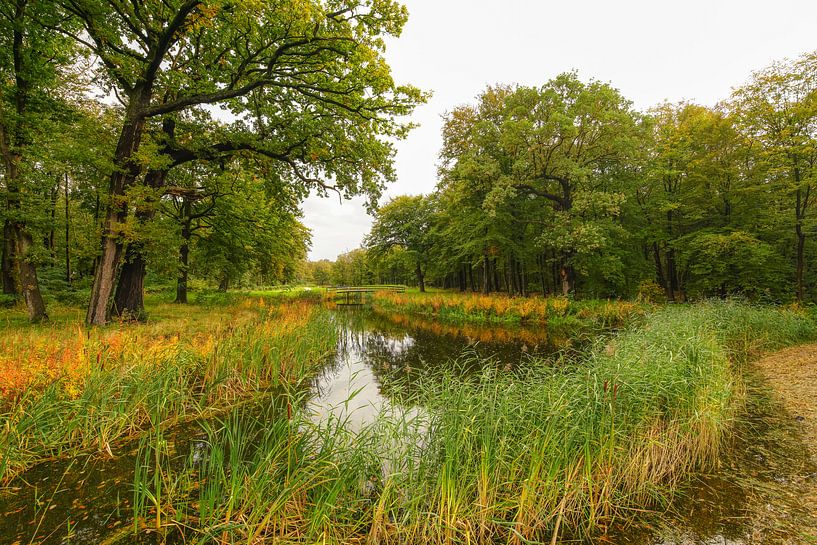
(566, 188)
(178, 137)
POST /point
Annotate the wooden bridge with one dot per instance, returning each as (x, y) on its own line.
(356, 295)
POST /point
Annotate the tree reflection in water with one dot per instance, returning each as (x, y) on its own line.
(381, 356)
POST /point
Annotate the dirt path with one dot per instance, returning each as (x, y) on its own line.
(793, 375)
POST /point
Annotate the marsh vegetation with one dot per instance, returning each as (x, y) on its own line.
(405, 434)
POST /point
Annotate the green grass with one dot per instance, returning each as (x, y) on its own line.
(517, 457)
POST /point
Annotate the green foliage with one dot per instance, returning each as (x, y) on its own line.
(404, 224)
(351, 269)
(731, 262)
(566, 189)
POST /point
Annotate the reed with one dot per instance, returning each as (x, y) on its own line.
(524, 456)
(497, 308)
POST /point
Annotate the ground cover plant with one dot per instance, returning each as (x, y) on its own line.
(499, 456)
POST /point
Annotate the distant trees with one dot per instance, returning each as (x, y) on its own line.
(567, 144)
(405, 223)
(777, 111)
(566, 189)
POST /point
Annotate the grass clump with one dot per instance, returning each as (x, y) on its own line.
(499, 456)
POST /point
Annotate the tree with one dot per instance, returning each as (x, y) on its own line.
(31, 86)
(166, 57)
(404, 222)
(777, 110)
(352, 269)
(319, 272)
(567, 144)
(691, 182)
(240, 223)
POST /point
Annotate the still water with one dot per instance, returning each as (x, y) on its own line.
(87, 500)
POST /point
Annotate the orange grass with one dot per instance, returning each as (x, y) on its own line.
(65, 351)
(500, 308)
(64, 386)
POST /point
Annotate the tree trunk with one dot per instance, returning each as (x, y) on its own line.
(67, 235)
(659, 268)
(568, 277)
(801, 261)
(9, 284)
(486, 282)
(510, 276)
(129, 300)
(420, 278)
(123, 176)
(27, 275)
(224, 284)
(23, 243)
(50, 237)
(12, 147)
(672, 281)
(184, 258)
(495, 275)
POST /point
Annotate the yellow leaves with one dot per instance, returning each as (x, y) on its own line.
(559, 305)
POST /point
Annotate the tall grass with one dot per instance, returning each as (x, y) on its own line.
(89, 388)
(517, 457)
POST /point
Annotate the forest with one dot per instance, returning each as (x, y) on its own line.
(178, 139)
(565, 188)
(560, 188)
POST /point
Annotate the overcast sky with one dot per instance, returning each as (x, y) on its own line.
(651, 50)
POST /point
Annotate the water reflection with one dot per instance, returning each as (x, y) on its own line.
(380, 357)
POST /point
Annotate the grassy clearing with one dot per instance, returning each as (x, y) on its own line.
(515, 457)
(65, 387)
(477, 308)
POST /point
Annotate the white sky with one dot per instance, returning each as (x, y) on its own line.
(651, 50)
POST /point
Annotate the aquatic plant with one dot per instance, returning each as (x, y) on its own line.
(497, 308)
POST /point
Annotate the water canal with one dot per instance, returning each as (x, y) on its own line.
(88, 499)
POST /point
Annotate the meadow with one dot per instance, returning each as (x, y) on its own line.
(569, 446)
